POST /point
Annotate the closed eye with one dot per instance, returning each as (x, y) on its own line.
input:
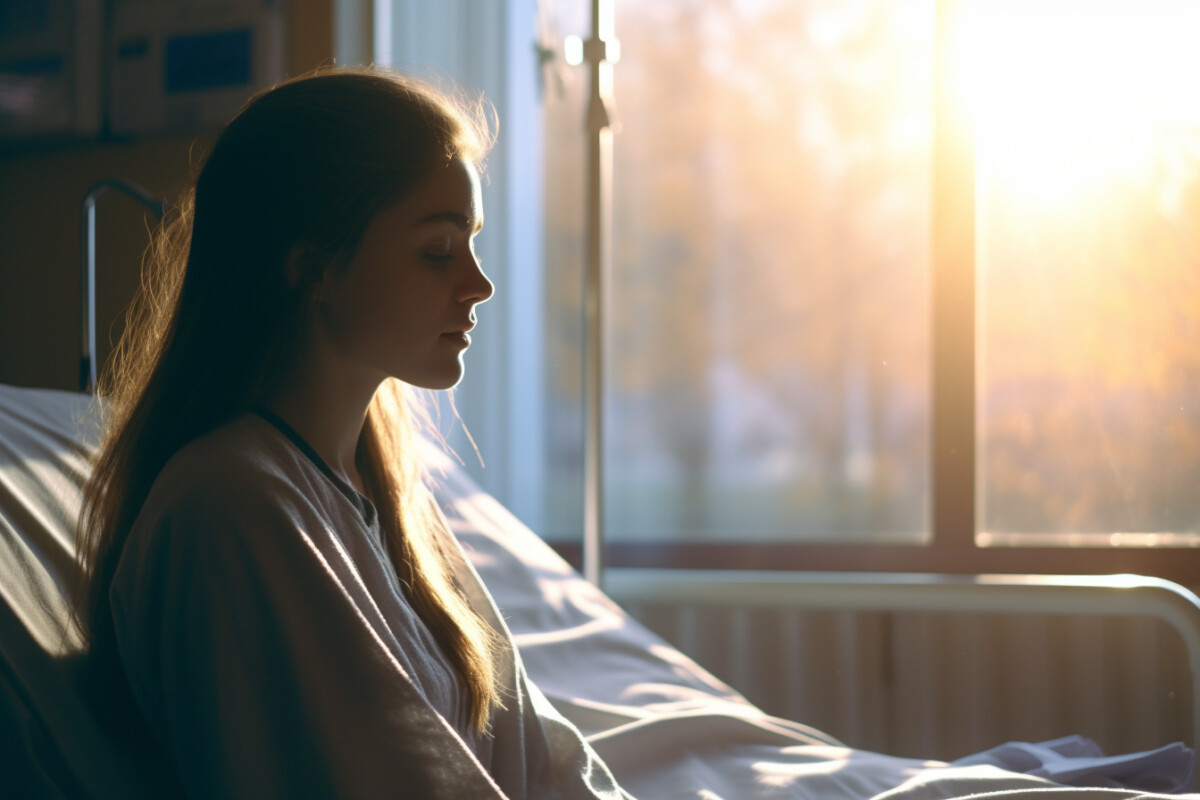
(437, 258)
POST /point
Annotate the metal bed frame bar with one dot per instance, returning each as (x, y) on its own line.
(1082, 595)
(87, 268)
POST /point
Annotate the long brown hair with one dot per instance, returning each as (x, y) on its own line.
(303, 168)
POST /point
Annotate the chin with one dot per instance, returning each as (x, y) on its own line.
(437, 382)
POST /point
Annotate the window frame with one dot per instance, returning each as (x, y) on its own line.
(955, 492)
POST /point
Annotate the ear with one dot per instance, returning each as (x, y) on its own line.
(295, 265)
(304, 272)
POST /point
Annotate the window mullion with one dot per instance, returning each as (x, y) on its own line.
(953, 284)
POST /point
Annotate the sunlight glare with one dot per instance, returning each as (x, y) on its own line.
(1071, 97)
(573, 50)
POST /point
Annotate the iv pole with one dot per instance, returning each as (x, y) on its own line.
(601, 51)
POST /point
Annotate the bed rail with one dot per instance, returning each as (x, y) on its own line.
(1080, 595)
(87, 268)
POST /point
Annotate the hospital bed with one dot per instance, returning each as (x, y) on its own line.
(667, 727)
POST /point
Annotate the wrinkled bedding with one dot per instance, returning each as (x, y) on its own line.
(666, 727)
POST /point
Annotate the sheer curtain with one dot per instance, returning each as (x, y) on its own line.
(491, 48)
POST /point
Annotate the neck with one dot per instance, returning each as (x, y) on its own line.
(328, 410)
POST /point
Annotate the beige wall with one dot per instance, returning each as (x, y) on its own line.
(40, 191)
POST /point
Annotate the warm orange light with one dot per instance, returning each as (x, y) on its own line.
(1073, 97)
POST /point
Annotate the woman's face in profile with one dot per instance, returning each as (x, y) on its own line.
(404, 305)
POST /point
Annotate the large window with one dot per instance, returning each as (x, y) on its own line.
(1088, 220)
(769, 325)
(897, 284)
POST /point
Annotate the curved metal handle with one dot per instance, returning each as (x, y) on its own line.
(87, 268)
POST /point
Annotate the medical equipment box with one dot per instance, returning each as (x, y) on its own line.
(50, 57)
(188, 65)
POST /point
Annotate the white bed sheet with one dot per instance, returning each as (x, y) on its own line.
(667, 728)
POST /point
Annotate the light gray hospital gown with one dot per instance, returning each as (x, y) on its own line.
(273, 652)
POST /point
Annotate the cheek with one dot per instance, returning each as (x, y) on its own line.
(385, 314)
(352, 311)
(368, 323)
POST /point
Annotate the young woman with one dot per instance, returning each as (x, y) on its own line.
(274, 605)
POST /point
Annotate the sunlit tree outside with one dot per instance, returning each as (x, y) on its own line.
(1088, 216)
(770, 322)
(769, 328)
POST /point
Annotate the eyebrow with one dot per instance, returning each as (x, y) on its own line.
(458, 220)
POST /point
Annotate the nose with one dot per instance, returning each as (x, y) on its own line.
(475, 288)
